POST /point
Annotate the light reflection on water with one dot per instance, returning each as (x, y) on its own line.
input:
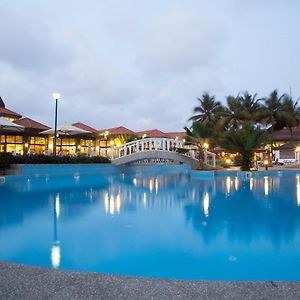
(155, 225)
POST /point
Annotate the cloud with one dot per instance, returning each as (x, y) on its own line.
(141, 64)
(28, 45)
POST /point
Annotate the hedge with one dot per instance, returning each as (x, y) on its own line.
(7, 158)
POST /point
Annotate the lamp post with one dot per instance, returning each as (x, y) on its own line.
(56, 97)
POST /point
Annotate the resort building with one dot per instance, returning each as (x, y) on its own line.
(286, 145)
(34, 138)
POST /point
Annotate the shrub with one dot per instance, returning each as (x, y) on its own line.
(238, 160)
(224, 164)
(5, 159)
(182, 150)
(45, 159)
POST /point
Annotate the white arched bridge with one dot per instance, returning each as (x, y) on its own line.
(158, 150)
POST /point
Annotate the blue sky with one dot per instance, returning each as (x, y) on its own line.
(142, 64)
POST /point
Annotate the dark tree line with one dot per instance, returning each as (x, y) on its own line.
(244, 124)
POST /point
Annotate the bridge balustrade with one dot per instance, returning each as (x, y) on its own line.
(158, 144)
(147, 144)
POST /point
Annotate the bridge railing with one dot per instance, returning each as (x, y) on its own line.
(158, 144)
(147, 144)
(209, 157)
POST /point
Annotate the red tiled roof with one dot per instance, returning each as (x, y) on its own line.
(155, 133)
(117, 131)
(4, 112)
(173, 135)
(285, 134)
(218, 149)
(31, 124)
(85, 127)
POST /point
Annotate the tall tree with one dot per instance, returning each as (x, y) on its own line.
(208, 110)
(272, 111)
(232, 115)
(244, 140)
(198, 135)
(290, 114)
(251, 107)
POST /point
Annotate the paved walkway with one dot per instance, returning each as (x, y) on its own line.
(25, 282)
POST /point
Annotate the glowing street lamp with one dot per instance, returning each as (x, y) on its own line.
(205, 146)
(56, 97)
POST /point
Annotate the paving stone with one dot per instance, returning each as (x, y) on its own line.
(27, 282)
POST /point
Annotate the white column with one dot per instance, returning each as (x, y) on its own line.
(111, 153)
(150, 144)
(205, 157)
(168, 145)
(142, 146)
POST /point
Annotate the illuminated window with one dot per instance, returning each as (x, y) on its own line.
(103, 143)
(19, 139)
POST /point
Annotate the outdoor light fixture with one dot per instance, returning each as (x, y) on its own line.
(297, 149)
(205, 146)
(228, 161)
(56, 97)
(266, 164)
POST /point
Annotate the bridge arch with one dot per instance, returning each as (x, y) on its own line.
(156, 149)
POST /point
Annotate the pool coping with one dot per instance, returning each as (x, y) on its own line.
(19, 281)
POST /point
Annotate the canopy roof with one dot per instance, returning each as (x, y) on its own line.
(10, 126)
(66, 129)
(85, 127)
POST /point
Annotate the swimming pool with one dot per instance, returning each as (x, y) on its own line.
(155, 222)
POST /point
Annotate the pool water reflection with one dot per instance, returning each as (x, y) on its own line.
(142, 223)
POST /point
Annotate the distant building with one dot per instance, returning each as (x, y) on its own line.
(94, 142)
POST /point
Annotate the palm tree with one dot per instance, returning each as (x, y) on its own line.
(198, 135)
(239, 109)
(244, 140)
(272, 110)
(208, 110)
(271, 114)
(122, 139)
(290, 114)
(251, 107)
(232, 115)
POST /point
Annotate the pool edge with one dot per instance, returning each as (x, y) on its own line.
(28, 282)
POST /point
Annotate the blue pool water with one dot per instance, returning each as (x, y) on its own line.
(155, 222)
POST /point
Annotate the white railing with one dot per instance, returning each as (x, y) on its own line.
(158, 144)
(210, 158)
(147, 144)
